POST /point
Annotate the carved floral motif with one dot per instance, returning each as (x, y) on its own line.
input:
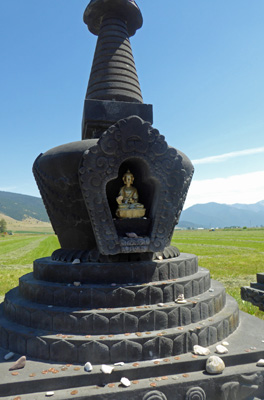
(133, 138)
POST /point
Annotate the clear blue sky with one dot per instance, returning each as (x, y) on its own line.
(200, 63)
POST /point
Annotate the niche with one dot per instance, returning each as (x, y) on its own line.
(148, 193)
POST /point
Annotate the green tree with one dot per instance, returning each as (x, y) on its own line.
(2, 225)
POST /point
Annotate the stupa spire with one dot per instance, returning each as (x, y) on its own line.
(113, 74)
(113, 78)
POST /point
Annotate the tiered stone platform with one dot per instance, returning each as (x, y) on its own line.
(61, 323)
(85, 316)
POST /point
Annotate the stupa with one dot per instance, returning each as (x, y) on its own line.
(116, 292)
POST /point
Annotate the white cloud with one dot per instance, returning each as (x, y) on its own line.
(245, 189)
(226, 156)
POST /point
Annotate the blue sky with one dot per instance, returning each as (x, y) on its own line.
(200, 63)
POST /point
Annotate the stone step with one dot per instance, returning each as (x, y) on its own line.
(258, 286)
(112, 295)
(118, 320)
(188, 382)
(180, 373)
(254, 296)
(127, 347)
(123, 272)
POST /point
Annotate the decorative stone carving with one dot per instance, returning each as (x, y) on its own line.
(157, 348)
(195, 393)
(98, 296)
(126, 351)
(241, 389)
(37, 347)
(164, 172)
(62, 350)
(154, 395)
(95, 351)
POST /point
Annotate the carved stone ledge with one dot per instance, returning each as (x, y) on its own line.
(114, 348)
(116, 321)
(112, 295)
(116, 272)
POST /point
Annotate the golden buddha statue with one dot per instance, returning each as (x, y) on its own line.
(128, 206)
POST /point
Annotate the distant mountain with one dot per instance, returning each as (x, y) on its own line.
(223, 215)
(21, 206)
(210, 215)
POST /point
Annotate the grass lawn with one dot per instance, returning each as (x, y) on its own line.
(232, 257)
(17, 253)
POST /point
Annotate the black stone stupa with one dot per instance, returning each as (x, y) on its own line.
(109, 294)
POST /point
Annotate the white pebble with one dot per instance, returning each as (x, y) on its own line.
(211, 290)
(221, 349)
(49, 394)
(106, 369)
(215, 365)
(8, 356)
(132, 235)
(225, 343)
(160, 304)
(119, 364)
(260, 363)
(201, 351)
(125, 382)
(77, 284)
(88, 367)
(180, 299)
(76, 261)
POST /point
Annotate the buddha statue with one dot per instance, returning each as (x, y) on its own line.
(128, 206)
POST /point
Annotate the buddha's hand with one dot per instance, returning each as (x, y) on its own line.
(119, 199)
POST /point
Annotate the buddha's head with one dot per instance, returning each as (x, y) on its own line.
(128, 178)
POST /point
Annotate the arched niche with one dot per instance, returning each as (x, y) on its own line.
(148, 191)
(162, 177)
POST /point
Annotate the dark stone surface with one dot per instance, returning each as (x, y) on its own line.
(79, 181)
(112, 295)
(123, 9)
(99, 115)
(119, 320)
(121, 307)
(83, 216)
(116, 272)
(162, 174)
(183, 376)
(255, 293)
(155, 339)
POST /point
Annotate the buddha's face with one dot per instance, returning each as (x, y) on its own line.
(128, 179)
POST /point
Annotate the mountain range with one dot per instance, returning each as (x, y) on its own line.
(209, 215)
(213, 215)
(21, 206)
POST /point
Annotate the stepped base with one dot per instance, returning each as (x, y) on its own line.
(151, 380)
(255, 293)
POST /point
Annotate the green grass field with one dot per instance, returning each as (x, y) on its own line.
(17, 253)
(232, 256)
